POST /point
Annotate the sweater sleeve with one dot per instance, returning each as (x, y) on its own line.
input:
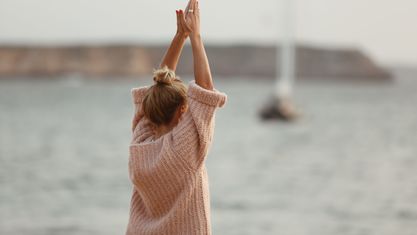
(139, 122)
(193, 134)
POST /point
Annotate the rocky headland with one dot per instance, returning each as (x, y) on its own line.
(117, 61)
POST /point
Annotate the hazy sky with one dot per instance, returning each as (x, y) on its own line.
(383, 28)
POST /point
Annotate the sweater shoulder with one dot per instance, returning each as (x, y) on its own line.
(209, 97)
(138, 93)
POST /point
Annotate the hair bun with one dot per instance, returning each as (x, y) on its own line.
(164, 76)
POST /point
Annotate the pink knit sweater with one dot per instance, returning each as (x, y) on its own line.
(170, 184)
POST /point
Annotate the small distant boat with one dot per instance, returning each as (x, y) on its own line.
(280, 105)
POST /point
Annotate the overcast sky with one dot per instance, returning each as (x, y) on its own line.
(383, 28)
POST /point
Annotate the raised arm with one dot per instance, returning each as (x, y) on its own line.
(173, 53)
(202, 71)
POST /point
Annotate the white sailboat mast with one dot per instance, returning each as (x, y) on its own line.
(285, 78)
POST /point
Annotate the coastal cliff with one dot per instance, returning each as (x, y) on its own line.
(138, 60)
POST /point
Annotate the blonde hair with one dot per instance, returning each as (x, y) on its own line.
(164, 97)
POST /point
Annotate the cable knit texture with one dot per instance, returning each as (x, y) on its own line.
(170, 184)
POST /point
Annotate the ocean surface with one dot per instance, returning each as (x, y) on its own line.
(348, 166)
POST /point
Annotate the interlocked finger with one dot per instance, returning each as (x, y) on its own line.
(187, 8)
(197, 8)
(178, 17)
(184, 24)
(192, 8)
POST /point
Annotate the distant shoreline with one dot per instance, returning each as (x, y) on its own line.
(108, 61)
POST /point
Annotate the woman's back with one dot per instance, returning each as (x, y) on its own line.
(170, 183)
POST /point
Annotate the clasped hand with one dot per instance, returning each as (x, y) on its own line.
(188, 21)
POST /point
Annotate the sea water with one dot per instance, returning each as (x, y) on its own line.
(346, 166)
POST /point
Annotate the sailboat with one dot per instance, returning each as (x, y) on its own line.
(280, 105)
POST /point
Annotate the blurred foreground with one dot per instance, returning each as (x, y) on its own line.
(346, 167)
